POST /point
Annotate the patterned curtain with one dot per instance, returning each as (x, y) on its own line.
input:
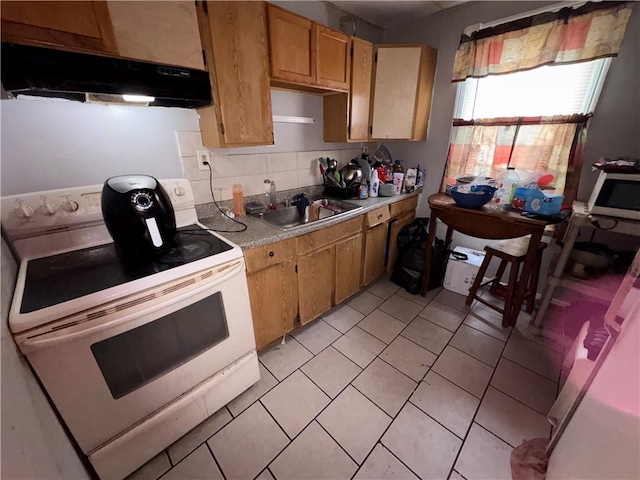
(536, 144)
(592, 31)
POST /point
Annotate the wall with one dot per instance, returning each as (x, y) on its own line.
(292, 162)
(34, 445)
(329, 15)
(612, 132)
(50, 143)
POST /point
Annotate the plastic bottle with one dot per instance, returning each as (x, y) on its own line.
(272, 195)
(238, 200)
(388, 177)
(375, 184)
(507, 182)
(363, 190)
(398, 179)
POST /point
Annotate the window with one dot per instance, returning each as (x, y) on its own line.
(543, 91)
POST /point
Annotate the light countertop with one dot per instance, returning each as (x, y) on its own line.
(260, 233)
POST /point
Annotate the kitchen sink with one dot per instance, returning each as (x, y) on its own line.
(287, 218)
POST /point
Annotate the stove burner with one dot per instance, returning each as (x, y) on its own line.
(185, 252)
(73, 260)
(67, 276)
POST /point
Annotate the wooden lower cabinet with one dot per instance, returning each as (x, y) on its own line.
(375, 244)
(294, 281)
(348, 267)
(274, 301)
(315, 283)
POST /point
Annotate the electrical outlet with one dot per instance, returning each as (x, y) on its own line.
(203, 156)
(365, 149)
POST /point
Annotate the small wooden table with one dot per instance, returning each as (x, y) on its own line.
(483, 223)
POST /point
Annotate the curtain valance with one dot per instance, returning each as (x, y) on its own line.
(592, 31)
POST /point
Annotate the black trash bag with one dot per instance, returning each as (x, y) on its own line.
(412, 247)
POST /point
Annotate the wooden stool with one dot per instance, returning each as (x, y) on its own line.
(513, 253)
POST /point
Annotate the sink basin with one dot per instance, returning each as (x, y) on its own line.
(286, 218)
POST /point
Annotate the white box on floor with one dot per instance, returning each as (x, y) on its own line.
(460, 274)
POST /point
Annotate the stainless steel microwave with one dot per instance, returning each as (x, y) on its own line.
(616, 195)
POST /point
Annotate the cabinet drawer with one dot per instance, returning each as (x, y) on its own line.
(403, 206)
(376, 217)
(272, 254)
(328, 235)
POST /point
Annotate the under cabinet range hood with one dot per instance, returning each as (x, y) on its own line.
(47, 72)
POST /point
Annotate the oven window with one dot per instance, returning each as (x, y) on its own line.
(134, 358)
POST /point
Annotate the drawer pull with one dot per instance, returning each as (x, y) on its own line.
(271, 254)
(379, 216)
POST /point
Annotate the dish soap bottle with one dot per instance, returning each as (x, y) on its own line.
(375, 184)
(363, 190)
(507, 182)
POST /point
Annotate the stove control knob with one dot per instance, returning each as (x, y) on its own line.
(70, 206)
(24, 212)
(179, 191)
(48, 208)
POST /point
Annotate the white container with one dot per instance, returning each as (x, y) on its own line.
(506, 184)
(460, 274)
(374, 184)
(397, 182)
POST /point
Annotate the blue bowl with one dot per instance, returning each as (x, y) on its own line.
(478, 196)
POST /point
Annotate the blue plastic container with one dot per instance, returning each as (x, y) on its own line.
(478, 196)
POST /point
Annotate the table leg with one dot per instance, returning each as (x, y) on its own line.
(433, 223)
(569, 239)
(448, 237)
(524, 277)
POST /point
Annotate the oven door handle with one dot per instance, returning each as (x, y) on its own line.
(51, 339)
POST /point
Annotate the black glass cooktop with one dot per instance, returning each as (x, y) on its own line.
(60, 278)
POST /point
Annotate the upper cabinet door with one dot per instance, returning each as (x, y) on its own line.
(291, 40)
(396, 87)
(360, 94)
(71, 25)
(234, 36)
(332, 58)
(403, 85)
(161, 32)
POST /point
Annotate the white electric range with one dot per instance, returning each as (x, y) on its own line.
(134, 353)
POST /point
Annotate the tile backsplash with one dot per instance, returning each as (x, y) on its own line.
(289, 170)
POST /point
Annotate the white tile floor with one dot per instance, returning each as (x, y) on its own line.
(387, 385)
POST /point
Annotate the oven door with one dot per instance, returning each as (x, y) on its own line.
(137, 355)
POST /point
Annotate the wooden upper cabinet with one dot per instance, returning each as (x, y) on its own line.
(84, 26)
(162, 32)
(403, 85)
(346, 116)
(360, 93)
(332, 58)
(291, 40)
(234, 37)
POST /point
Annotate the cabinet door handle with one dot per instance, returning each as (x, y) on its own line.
(271, 254)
